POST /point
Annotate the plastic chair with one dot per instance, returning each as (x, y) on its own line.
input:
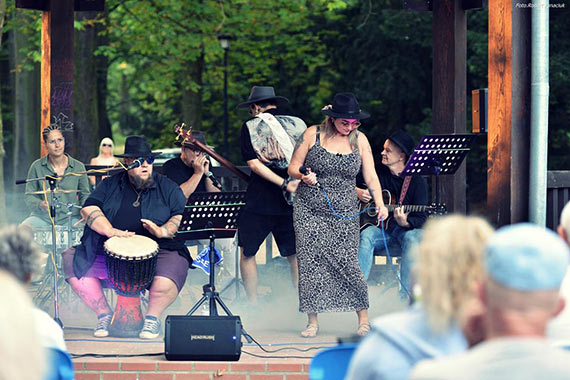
(331, 363)
(60, 366)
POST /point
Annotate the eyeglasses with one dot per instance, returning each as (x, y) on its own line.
(347, 123)
(196, 151)
(149, 159)
(109, 145)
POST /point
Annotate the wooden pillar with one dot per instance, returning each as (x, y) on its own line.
(57, 64)
(509, 113)
(57, 59)
(449, 89)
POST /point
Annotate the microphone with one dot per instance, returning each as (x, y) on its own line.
(136, 163)
(303, 169)
(214, 180)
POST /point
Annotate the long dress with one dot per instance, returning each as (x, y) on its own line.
(330, 279)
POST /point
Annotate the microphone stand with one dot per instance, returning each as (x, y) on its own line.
(51, 181)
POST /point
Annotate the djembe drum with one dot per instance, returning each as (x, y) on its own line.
(131, 263)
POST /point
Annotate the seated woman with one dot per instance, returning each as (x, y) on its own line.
(447, 319)
(105, 157)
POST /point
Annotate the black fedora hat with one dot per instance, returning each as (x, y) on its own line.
(403, 140)
(261, 93)
(137, 146)
(345, 106)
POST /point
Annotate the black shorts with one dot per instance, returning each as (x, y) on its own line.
(254, 228)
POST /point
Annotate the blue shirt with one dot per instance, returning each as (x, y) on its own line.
(163, 200)
(398, 341)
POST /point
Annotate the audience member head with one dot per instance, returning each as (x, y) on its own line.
(524, 265)
(22, 356)
(450, 262)
(18, 253)
(564, 227)
(106, 147)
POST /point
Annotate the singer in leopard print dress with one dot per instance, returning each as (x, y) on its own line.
(330, 279)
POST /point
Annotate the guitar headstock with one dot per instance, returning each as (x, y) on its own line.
(183, 134)
(437, 209)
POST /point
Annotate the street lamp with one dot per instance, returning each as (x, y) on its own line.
(224, 40)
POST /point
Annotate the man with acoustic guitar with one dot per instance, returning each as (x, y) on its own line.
(403, 227)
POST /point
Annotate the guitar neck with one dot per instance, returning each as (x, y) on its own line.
(187, 137)
(409, 208)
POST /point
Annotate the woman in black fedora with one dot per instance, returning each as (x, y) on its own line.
(333, 152)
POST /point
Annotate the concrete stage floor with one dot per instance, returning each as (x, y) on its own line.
(275, 324)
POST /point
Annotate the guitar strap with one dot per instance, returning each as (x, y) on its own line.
(404, 190)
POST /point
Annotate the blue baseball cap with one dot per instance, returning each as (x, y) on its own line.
(526, 257)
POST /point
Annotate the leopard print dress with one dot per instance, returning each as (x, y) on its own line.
(330, 279)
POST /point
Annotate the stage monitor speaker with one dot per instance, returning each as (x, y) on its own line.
(202, 338)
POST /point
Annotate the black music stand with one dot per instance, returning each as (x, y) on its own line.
(211, 215)
(438, 155)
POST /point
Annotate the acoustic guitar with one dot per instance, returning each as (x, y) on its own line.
(369, 217)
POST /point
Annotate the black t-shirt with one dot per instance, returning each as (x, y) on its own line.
(129, 217)
(179, 172)
(263, 197)
(417, 193)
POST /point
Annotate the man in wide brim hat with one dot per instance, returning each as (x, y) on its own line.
(136, 201)
(267, 143)
(263, 94)
(137, 146)
(345, 106)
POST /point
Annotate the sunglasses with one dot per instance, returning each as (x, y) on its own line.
(347, 123)
(109, 145)
(149, 160)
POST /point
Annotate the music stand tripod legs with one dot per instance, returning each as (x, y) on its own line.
(209, 289)
(210, 294)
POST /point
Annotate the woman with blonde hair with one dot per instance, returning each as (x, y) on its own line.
(327, 235)
(105, 157)
(447, 318)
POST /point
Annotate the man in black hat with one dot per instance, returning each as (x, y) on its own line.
(267, 144)
(140, 202)
(190, 170)
(404, 228)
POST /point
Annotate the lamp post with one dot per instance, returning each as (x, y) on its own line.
(224, 40)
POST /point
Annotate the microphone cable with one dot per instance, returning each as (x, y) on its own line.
(388, 256)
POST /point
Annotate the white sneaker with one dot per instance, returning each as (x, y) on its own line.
(103, 322)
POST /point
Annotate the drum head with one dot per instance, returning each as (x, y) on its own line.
(135, 247)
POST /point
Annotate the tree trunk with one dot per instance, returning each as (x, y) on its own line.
(192, 99)
(26, 127)
(102, 67)
(85, 102)
(3, 214)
